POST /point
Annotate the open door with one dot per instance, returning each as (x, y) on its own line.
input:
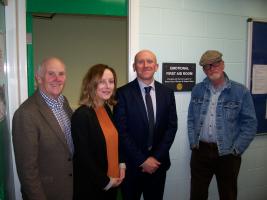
(114, 8)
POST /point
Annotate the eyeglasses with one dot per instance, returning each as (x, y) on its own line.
(209, 66)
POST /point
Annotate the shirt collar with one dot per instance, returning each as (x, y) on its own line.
(53, 103)
(142, 85)
(227, 83)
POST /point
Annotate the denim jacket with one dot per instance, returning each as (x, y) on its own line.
(236, 122)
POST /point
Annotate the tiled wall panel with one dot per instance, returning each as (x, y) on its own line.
(180, 31)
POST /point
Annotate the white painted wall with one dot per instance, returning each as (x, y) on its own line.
(180, 31)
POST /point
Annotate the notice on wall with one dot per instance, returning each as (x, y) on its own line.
(259, 79)
(179, 76)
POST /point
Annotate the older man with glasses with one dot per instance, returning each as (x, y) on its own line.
(221, 125)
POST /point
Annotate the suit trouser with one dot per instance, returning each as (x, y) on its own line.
(206, 162)
(150, 185)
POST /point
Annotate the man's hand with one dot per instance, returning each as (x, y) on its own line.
(150, 165)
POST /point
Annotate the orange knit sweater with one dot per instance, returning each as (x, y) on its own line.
(111, 137)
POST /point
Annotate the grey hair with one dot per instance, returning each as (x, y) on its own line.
(40, 70)
(41, 67)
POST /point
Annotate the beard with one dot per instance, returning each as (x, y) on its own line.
(215, 76)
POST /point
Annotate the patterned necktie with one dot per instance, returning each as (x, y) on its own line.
(150, 114)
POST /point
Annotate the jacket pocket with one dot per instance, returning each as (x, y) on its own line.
(231, 109)
(197, 102)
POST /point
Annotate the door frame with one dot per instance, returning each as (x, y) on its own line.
(79, 7)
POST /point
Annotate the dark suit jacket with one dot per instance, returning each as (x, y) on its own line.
(42, 155)
(132, 123)
(90, 156)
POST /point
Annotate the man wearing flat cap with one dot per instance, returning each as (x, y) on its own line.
(221, 124)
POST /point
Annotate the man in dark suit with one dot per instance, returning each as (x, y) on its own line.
(42, 140)
(147, 123)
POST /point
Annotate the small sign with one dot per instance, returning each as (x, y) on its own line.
(179, 76)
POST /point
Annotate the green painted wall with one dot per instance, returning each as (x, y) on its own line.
(95, 7)
(30, 61)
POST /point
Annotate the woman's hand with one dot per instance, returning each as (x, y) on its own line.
(122, 174)
(117, 181)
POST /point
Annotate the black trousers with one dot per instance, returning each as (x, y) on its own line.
(150, 185)
(96, 194)
(206, 162)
